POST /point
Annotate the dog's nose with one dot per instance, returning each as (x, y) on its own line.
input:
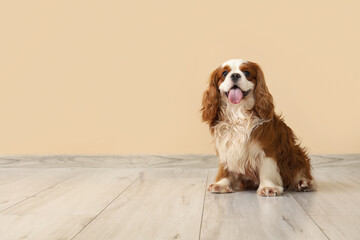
(235, 77)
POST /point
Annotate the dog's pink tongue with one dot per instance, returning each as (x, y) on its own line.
(235, 95)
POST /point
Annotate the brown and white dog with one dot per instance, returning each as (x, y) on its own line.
(256, 149)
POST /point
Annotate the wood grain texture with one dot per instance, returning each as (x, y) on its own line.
(17, 185)
(150, 161)
(110, 161)
(338, 194)
(163, 197)
(163, 204)
(62, 211)
(339, 227)
(335, 206)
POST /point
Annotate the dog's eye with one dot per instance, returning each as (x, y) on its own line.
(225, 73)
(247, 74)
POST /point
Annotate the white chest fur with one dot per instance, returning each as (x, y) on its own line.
(232, 139)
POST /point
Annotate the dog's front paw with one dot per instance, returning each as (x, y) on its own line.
(219, 188)
(269, 191)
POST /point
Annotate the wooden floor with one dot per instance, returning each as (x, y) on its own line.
(164, 197)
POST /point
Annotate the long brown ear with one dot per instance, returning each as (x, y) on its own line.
(211, 100)
(264, 105)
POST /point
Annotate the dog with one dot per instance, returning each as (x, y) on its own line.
(255, 148)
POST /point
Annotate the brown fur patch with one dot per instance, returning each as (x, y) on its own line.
(280, 143)
(211, 97)
(264, 106)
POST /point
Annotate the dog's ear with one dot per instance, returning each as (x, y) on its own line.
(211, 100)
(264, 106)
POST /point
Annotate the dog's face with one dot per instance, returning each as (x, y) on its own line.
(237, 82)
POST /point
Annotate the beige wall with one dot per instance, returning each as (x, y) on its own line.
(128, 76)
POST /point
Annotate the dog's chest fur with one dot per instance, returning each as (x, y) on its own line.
(233, 142)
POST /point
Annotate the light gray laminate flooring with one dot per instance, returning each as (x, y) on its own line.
(164, 197)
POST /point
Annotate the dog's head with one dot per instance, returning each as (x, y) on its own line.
(237, 82)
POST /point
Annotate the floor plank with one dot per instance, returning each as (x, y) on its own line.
(335, 205)
(244, 215)
(163, 204)
(63, 210)
(337, 194)
(110, 161)
(16, 185)
(339, 227)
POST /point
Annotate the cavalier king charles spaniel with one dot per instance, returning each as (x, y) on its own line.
(256, 149)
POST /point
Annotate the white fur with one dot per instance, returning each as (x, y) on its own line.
(232, 136)
(269, 173)
(222, 186)
(270, 179)
(234, 63)
(223, 182)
